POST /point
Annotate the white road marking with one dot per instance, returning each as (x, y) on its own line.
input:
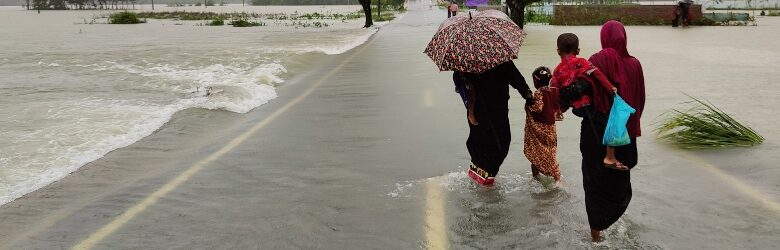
(436, 233)
(428, 98)
(128, 215)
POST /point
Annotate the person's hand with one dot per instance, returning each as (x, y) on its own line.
(613, 90)
(526, 95)
(558, 116)
(473, 119)
(529, 100)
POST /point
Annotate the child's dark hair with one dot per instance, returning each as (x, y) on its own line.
(541, 76)
(568, 43)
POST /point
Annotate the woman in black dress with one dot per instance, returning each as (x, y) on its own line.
(489, 135)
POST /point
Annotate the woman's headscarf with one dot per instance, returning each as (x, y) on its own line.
(613, 35)
(623, 70)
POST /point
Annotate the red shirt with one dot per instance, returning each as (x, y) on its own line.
(572, 67)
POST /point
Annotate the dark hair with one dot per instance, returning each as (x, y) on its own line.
(568, 43)
(541, 76)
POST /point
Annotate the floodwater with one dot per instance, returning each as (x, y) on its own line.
(72, 91)
(365, 149)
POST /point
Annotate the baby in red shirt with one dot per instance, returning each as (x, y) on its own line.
(572, 68)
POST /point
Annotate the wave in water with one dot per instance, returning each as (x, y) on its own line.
(84, 129)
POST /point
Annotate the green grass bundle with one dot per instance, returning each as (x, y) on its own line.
(245, 23)
(124, 17)
(216, 22)
(705, 126)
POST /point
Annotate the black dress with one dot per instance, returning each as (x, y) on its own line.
(607, 191)
(488, 142)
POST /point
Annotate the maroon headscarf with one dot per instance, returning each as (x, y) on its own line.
(623, 70)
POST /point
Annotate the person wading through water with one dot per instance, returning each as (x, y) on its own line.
(489, 133)
(608, 191)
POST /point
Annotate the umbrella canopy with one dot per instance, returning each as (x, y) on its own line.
(475, 42)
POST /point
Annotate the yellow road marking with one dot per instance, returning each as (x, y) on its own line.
(436, 233)
(109, 228)
(739, 185)
(428, 98)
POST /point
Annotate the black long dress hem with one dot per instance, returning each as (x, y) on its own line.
(607, 191)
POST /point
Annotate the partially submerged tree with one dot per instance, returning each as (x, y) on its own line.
(517, 10)
(367, 10)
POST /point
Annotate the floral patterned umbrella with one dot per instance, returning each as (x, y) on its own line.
(475, 42)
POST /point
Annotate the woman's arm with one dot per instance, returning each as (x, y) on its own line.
(517, 81)
(603, 81)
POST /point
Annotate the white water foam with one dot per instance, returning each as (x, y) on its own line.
(459, 182)
(119, 123)
(348, 45)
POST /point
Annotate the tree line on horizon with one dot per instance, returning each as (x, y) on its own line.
(304, 2)
(118, 4)
(79, 4)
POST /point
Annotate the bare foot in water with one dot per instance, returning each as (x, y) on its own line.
(595, 235)
(611, 162)
(535, 172)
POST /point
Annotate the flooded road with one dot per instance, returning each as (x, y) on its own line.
(74, 91)
(366, 149)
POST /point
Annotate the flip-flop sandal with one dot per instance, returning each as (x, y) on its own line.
(615, 166)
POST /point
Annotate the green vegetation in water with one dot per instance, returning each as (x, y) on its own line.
(241, 22)
(776, 7)
(303, 20)
(302, 2)
(462, 6)
(389, 4)
(302, 24)
(773, 13)
(216, 22)
(183, 15)
(386, 16)
(534, 17)
(705, 126)
(124, 17)
(176, 4)
(726, 19)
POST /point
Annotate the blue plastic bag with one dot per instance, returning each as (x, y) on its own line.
(616, 133)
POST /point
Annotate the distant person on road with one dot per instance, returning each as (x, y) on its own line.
(540, 144)
(489, 134)
(608, 191)
(452, 10)
(682, 16)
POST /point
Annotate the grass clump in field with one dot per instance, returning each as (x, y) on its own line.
(241, 22)
(386, 16)
(124, 17)
(705, 126)
(183, 15)
(216, 22)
